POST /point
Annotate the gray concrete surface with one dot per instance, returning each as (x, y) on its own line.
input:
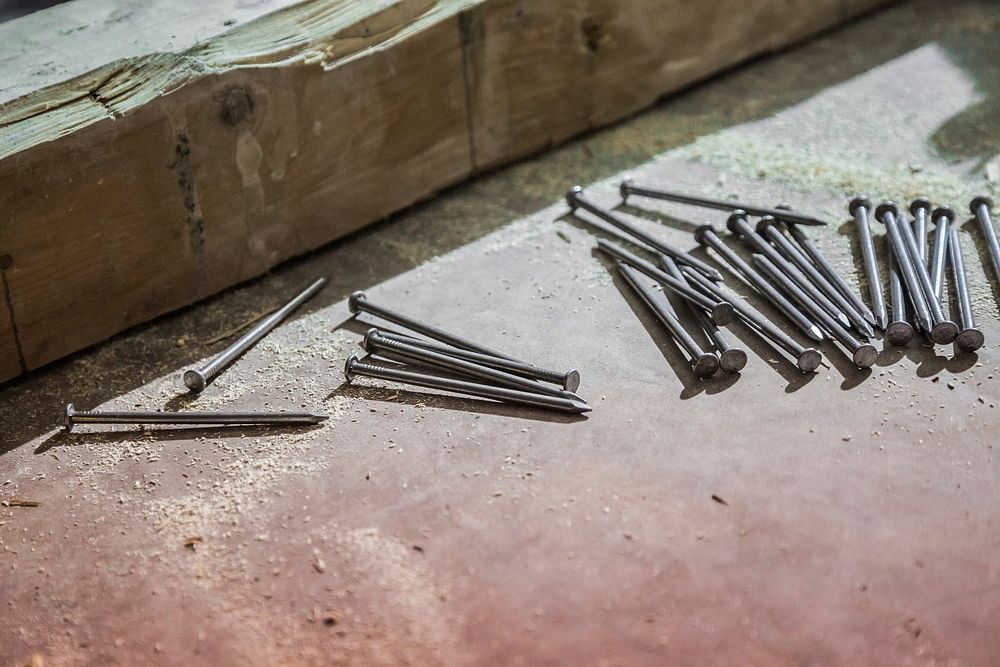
(846, 517)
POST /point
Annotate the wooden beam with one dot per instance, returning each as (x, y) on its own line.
(138, 184)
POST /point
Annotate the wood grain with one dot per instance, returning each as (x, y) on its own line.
(159, 179)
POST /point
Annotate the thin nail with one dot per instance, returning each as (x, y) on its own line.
(980, 207)
(575, 199)
(899, 331)
(703, 363)
(920, 208)
(74, 417)
(942, 217)
(627, 188)
(198, 379)
(354, 367)
(859, 209)
(970, 338)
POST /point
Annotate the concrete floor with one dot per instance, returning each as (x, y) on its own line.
(846, 517)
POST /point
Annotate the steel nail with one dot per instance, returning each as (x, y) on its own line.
(863, 353)
(942, 330)
(980, 207)
(627, 188)
(768, 228)
(704, 364)
(575, 199)
(831, 273)
(706, 236)
(899, 331)
(859, 209)
(737, 224)
(359, 303)
(376, 343)
(970, 338)
(569, 380)
(731, 359)
(722, 312)
(807, 359)
(355, 366)
(942, 217)
(74, 417)
(920, 208)
(197, 379)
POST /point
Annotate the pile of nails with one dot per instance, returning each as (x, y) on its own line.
(788, 270)
(461, 366)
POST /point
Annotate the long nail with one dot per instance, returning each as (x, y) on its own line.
(980, 207)
(943, 217)
(568, 380)
(970, 338)
(354, 367)
(376, 343)
(768, 228)
(942, 330)
(359, 303)
(703, 363)
(859, 209)
(731, 359)
(863, 353)
(921, 209)
(198, 379)
(831, 273)
(627, 188)
(887, 214)
(807, 359)
(737, 224)
(706, 236)
(74, 417)
(722, 312)
(899, 331)
(575, 199)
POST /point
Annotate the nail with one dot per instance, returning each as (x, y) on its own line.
(899, 331)
(980, 207)
(721, 312)
(737, 224)
(731, 359)
(942, 217)
(74, 417)
(941, 329)
(970, 338)
(359, 303)
(376, 343)
(768, 228)
(863, 353)
(575, 199)
(831, 273)
(703, 363)
(569, 380)
(859, 209)
(786, 215)
(887, 214)
(354, 367)
(706, 236)
(920, 208)
(807, 359)
(197, 379)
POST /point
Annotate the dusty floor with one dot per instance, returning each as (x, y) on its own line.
(845, 517)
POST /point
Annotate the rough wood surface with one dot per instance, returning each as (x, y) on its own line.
(141, 178)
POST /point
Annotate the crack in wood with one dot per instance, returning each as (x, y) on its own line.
(10, 311)
(465, 37)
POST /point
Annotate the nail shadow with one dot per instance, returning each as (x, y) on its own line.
(64, 438)
(658, 217)
(483, 406)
